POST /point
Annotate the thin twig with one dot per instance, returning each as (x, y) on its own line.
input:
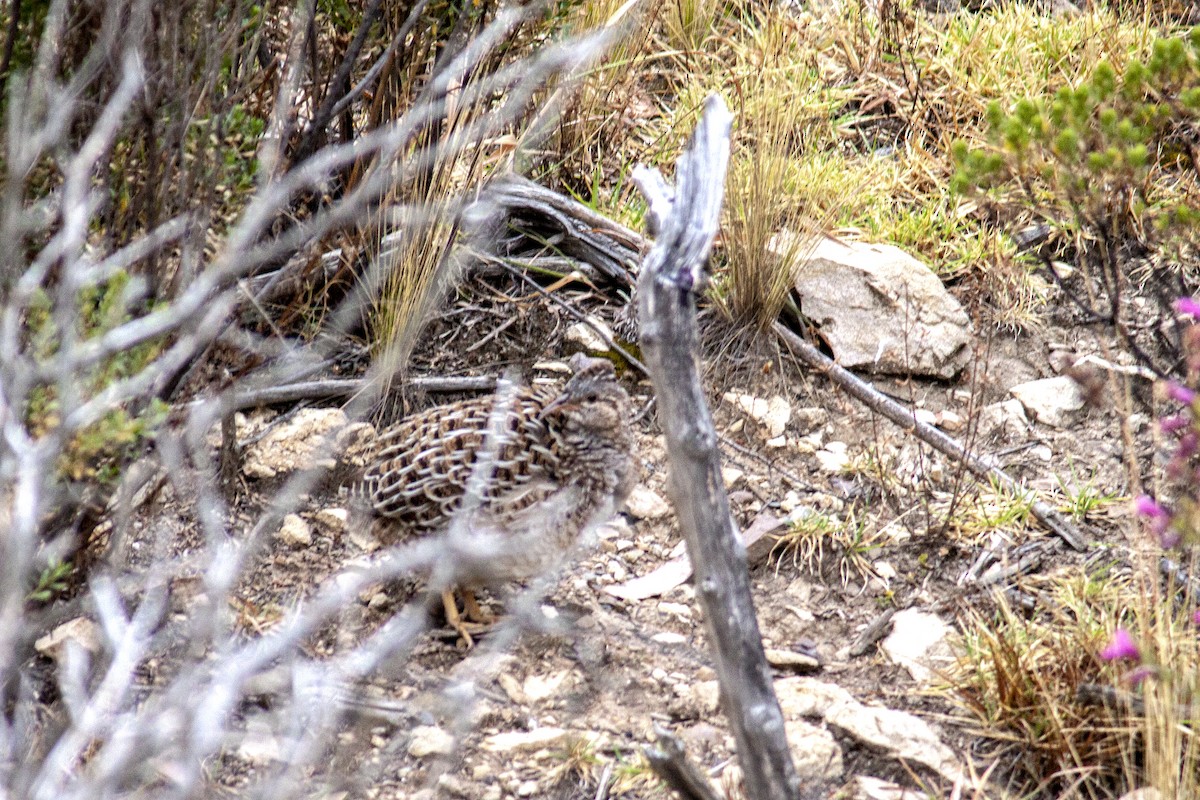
(903, 417)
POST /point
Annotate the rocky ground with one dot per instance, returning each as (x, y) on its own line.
(561, 698)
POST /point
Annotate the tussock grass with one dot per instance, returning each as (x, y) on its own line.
(1016, 680)
(1031, 686)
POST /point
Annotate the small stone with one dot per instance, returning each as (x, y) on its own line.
(667, 637)
(512, 688)
(617, 571)
(918, 643)
(1051, 401)
(540, 687)
(777, 442)
(513, 741)
(834, 457)
(659, 674)
(772, 414)
(645, 503)
(294, 531)
(789, 659)
(584, 336)
(79, 632)
(925, 416)
(302, 442)
(706, 695)
(258, 744)
(363, 540)
(950, 421)
(731, 476)
(527, 788)
(335, 519)
(428, 740)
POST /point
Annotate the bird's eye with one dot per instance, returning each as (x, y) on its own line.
(591, 397)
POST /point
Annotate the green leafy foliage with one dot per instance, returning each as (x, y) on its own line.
(51, 582)
(98, 451)
(1094, 150)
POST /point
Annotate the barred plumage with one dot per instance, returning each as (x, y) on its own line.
(561, 462)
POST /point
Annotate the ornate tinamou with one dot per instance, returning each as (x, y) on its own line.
(544, 466)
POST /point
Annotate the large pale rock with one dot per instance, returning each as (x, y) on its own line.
(882, 310)
(815, 753)
(900, 734)
(303, 442)
(1051, 401)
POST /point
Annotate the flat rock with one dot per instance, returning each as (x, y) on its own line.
(880, 309)
(541, 687)
(789, 659)
(302, 442)
(900, 734)
(524, 740)
(335, 519)
(79, 632)
(429, 740)
(1003, 420)
(918, 643)
(815, 752)
(1052, 401)
(585, 337)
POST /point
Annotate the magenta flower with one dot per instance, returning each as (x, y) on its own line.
(1187, 445)
(1196, 617)
(1168, 537)
(1180, 393)
(1121, 647)
(1138, 675)
(1189, 306)
(1145, 506)
(1173, 424)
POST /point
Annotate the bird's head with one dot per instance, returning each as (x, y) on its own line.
(592, 398)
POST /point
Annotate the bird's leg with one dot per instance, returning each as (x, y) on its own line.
(472, 609)
(455, 620)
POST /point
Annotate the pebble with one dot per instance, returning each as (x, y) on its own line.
(523, 740)
(430, 740)
(294, 531)
(335, 519)
(527, 788)
(645, 503)
(667, 637)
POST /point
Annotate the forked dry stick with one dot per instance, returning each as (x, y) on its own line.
(673, 272)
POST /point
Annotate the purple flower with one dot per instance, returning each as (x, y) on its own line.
(1168, 537)
(1189, 306)
(1145, 506)
(1196, 617)
(1180, 393)
(1121, 646)
(1173, 424)
(1187, 445)
(1137, 676)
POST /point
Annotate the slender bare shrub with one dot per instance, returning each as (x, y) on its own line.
(108, 320)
